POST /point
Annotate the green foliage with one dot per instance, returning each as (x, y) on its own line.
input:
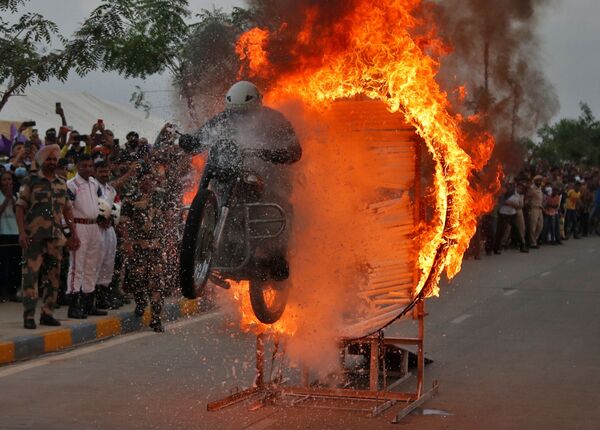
(576, 140)
(209, 63)
(135, 38)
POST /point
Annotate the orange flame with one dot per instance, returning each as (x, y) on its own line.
(385, 63)
(198, 162)
(249, 322)
(251, 47)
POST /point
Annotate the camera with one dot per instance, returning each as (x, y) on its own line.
(81, 138)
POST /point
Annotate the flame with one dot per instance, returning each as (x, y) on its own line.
(198, 163)
(249, 322)
(250, 47)
(384, 62)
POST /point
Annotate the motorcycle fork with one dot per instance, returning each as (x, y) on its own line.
(224, 213)
(220, 226)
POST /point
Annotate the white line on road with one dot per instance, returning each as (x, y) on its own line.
(543, 275)
(571, 260)
(510, 292)
(83, 350)
(591, 250)
(461, 318)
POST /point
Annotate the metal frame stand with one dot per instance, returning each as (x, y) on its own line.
(379, 394)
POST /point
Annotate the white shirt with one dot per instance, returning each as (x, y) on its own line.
(84, 195)
(509, 210)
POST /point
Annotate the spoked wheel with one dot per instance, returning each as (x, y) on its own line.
(197, 246)
(268, 299)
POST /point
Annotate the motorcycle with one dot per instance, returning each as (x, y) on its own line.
(227, 230)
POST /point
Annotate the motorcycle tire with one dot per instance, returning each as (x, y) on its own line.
(196, 244)
(268, 303)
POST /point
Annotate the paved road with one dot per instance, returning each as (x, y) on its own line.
(514, 339)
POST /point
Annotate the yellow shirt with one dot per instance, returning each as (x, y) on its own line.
(572, 199)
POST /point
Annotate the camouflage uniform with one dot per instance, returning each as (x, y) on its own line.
(145, 215)
(43, 201)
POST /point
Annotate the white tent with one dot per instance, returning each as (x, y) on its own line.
(81, 111)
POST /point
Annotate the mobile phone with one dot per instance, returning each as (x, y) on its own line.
(100, 121)
(28, 124)
(116, 142)
(58, 107)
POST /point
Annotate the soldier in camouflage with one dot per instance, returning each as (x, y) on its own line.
(144, 239)
(41, 206)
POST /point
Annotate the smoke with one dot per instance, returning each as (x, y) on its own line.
(496, 53)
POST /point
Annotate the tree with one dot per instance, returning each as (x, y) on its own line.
(576, 140)
(209, 63)
(135, 38)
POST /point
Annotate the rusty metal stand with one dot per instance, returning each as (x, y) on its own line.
(379, 393)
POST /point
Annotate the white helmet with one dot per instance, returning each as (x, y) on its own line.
(243, 95)
(105, 208)
(116, 212)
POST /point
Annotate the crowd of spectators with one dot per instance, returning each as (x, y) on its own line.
(541, 205)
(124, 201)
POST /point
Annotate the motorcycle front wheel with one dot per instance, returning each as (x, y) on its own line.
(197, 245)
(268, 299)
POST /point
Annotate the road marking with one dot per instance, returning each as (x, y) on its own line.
(571, 260)
(461, 318)
(510, 292)
(83, 350)
(543, 275)
(591, 250)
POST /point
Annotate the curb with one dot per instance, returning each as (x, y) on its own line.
(23, 347)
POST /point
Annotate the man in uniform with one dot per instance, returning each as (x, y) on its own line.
(41, 206)
(143, 231)
(535, 216)
(83, 191)
(105, 297)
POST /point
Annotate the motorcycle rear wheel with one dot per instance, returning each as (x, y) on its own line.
(268, 300)
(197, 245)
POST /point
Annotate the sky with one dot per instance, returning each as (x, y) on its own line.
(569, 34)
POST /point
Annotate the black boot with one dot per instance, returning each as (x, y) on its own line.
(155, 322)
(76, 307)
(90, 305)
(29, 323)
(102, 298)
(113, 299)
(46, 319)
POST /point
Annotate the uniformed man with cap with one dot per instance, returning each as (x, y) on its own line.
(535, 216)
(83, 191)
(41, 206)
(143, 229)
(109, 202)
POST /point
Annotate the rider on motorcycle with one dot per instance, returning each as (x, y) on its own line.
(272, 141)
